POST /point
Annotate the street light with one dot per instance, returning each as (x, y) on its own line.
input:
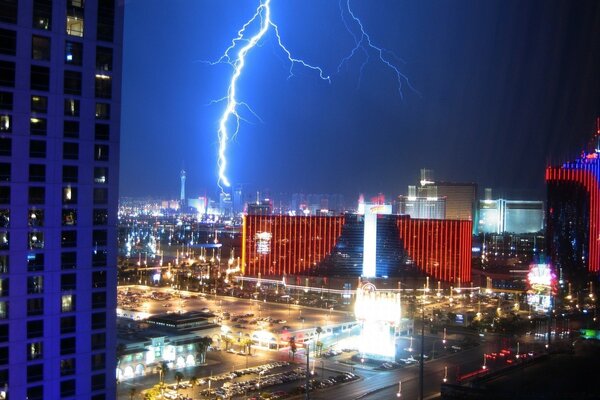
(399, 393)
(484, 360)
(445, 374)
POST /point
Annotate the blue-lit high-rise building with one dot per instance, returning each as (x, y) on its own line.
(60, 91)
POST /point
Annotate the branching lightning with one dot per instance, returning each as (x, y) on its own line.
(362, 42)
(237, 62)
(246, 41)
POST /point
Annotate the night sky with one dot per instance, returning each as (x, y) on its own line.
(502, 88)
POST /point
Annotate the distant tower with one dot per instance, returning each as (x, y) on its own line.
(182, 195)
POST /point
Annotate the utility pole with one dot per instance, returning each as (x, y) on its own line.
(307, 346)
(422, 365)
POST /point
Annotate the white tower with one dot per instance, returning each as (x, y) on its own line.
(182, 194)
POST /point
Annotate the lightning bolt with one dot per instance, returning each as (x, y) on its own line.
(237, 62)
(363, 43)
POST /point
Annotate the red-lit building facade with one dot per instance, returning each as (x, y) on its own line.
(274, 245)
(573, 216)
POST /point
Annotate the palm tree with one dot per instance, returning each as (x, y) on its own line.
(178, 379)
(162, 370)
(201, 348)
(193, 382)
(132, 392)
(319, 330)
(227, 340)
(247, 344)
(293, 348)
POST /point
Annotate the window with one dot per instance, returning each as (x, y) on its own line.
(99, 237)
(72, 83)
(68, 239)
(5, 123)
(35, 262)
(71, 129)
(42, 14)
(5, 172)
(100, 175)
(73, 53)
(4, 218)
(37, 149)
(71, 108)
(35, 393)
(67, 367)
(8, 42)
(98, 341)
(36, 217)
(69, 217)
(99, 258)
(106, 20)
(98, 381)
(37, 173)
(4, 287)
(39, 104)
(68, 282)
(102, 111)
(70, 151)
(5, 146)
(8, 13)
(68, 260)
(3, 309)
(98, 299)
(35, 306)
(99, 279)
(35, 329)
(4, 240)
(69, 174)
(98, 361)
(7, 73)
(104, 58)
(35, 284)
(69, 195)
(6, 101)
(67, 324)
(37, 126)
(4, 263)
(101, 152)
(102, 132)
(103, 86)
(67, 346)
(74, 18)
(35, 373)
(40, 48)
(100, 196)
(4, 194)
(35, 240)
(40, 78)
(35, 350)
(67, 388)
(99, 320)
(100, 216)
(37, 195)
(67, 303)
(4, 333)
(3, 355)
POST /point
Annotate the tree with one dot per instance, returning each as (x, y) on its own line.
(319, 330)
(120, 352)
(319, 345)
(293, 348)
(162, 370)
(227, 340)
(201, 349)
(132, 393)
(178, 379)
(247, 344)
(193, 382)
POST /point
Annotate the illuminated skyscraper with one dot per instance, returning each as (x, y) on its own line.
(573, 216)
(182, 201)
(60, 91)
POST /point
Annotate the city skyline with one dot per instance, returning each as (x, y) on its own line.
(502, 90)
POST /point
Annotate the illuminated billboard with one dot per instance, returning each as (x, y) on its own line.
(263, 242)
(542, 286)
